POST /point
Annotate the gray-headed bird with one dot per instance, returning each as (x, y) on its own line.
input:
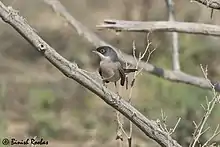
(111, 69)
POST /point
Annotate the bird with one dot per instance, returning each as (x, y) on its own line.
(111, 69)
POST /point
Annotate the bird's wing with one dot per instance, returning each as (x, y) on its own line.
(122, 73)
(100, 73)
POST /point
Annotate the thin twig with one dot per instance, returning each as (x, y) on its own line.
(120, 124)
(120, 129)
(216, 132)
(172, 130)
(138, 60)
(163, 126)
(208, 110)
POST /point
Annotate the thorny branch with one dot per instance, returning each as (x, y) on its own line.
(72, 71)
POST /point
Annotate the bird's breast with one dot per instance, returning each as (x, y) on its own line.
(109, 71)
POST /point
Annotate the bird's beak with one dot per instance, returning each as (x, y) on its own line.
(94, 52)
(99, 54)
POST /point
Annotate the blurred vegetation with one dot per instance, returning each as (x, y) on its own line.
(37, 100)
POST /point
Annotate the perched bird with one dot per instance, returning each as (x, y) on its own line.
(111, 69)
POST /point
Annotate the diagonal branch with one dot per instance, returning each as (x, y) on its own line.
(214, 4)
(72, 71)
(169, 75)
(81, 30)
(143, 26)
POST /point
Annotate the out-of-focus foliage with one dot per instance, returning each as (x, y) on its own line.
(36, 99)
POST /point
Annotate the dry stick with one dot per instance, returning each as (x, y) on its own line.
(175, 43)
(71, 70)
(120, 128)
(81, 30)
(162, 124)
(214, 4)
(216, 132)
(208, 110)
(161, 26)
(169, 75)
(141, 56)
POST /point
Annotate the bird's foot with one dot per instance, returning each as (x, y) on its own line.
(104, 85)
(120, 97)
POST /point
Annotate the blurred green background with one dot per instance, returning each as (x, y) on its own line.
(37, 100)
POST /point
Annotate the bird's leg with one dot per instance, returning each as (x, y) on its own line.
(126, 82)
(104, 83)
(117, 89)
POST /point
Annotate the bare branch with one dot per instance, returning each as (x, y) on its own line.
(174, 76)
(175, 43)
(214, 4)
(169, 75)
(162, 124)
(164, 26)
(120, 124)
(72, 71)
(216, 132)
(141, 56)
(199, 130)
(174, 128)
(81, 30)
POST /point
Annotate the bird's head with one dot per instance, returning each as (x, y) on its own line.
(106, 52)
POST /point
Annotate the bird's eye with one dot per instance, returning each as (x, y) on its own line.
(102, 51)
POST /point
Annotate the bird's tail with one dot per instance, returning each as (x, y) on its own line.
(130, 70)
